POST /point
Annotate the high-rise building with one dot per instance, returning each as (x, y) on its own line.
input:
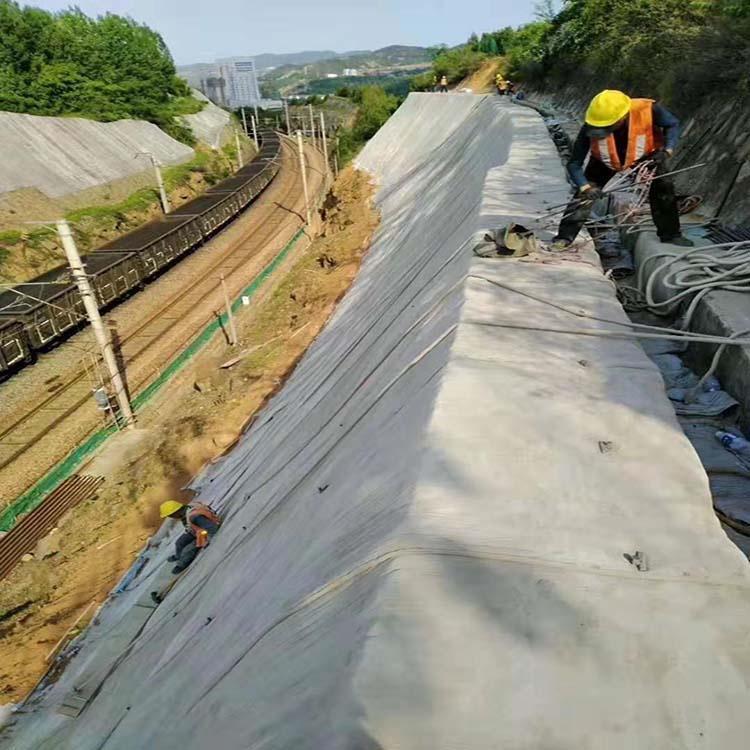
(241, 81)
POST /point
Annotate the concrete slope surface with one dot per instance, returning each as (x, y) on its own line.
(425, 529)
(211, 125)
(64, 155)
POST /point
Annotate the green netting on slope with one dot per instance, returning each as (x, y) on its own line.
(54, 478)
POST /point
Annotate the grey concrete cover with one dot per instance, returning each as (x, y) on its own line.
(425, 529)
(63, 155)
(211, 125)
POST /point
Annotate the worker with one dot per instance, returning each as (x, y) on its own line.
(618, 133)
(200, 522)
(502, 84)
(443, 85)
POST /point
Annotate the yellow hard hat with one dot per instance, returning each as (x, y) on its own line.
(607, 108)
(169, 508)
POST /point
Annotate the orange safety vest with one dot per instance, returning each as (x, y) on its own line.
(641, 138)
(194, 511)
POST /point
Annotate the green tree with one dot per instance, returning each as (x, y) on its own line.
(106, 68)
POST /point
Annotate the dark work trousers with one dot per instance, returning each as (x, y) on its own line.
(185, 550)
(661, 197)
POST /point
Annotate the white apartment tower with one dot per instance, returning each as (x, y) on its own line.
(241, 81)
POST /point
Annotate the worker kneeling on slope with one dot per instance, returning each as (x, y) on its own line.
(620, 131)
(200, 522)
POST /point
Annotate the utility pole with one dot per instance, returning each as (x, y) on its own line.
(239, 150)
(244, 121)
(92, 312)
(255, 133)
(255, 107)
(286, 112)
(325, 139)
(230, 316)
(312, 124)
(159, 180)
(304, 176)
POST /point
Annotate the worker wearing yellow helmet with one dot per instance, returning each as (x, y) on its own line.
(200, 522)
(618, 132)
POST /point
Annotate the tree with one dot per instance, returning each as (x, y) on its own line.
(106, 68)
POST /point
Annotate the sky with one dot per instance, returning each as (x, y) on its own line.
(202, 30)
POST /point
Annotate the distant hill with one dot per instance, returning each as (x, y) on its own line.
(395, 59)
(271, 60)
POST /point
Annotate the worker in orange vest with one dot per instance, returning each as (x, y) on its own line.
(443, 85)
(620, 131)
(200, 522)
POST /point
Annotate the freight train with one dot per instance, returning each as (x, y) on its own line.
(37, 315)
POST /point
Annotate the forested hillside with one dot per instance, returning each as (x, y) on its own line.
(676, 50)
(107, 68)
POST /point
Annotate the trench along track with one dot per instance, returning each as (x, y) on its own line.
(272, 211)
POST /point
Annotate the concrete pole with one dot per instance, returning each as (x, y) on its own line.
(239, 149)
(304, 176)
(312, 124)
(160, 182)
(335, 165)
(325, 139)
(92, 312)
(286, 112)
(230, 315)
(244, 121)
(255, 133)
(255, 107)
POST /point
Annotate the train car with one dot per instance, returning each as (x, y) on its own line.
(15, 348)
(113, 275)
(47, 309)
(36, 315)
(158, 244)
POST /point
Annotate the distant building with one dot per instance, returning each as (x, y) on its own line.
(231, 82)
(241, 81)
(332, 75)
(351, 72)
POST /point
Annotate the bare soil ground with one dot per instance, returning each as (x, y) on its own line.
(483, 80)
(196, 419)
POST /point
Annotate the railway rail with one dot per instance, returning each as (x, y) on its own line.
(153, 340)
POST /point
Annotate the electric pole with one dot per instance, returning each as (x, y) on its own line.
(312, 124)
(92, 312)
(159, 180)
(244, 121)
(304, 176)
(325, 139)
(239, 149)
(286, 112)
(255, 133)
(230, 316)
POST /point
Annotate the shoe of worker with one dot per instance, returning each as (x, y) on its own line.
(560, 243)
(155, 597)
(680, 240)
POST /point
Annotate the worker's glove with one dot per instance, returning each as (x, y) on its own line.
(660, 159)
(590, 195)
(172, 558)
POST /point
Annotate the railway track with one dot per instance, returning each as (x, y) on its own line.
(149, 343)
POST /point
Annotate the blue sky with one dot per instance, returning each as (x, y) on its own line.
(201, 30)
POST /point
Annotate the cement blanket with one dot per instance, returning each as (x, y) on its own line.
(64, 155)
(425, 529)
(211, 124)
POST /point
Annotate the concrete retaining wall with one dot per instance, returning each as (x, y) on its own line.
(63, 155)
